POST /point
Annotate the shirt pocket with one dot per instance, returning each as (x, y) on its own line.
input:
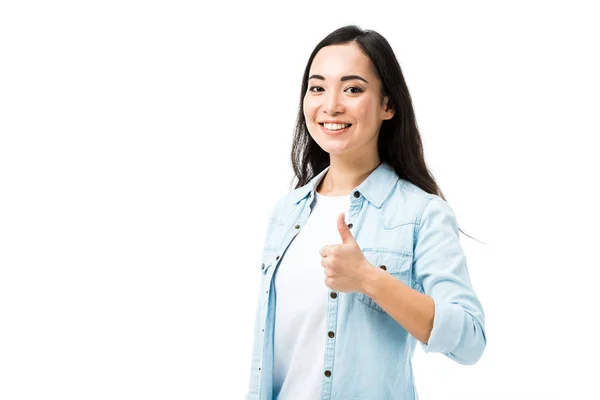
(395, 262)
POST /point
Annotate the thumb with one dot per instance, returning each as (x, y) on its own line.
(345, 233)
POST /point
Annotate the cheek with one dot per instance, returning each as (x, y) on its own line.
(309, 109)
(363, 110)
(361, 114)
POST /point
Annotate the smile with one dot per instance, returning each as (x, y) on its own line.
(334, 129)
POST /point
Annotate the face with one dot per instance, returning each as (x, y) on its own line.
(343, 90)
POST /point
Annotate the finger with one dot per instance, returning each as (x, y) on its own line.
(324, 262)
(345, 233)
(324, 251)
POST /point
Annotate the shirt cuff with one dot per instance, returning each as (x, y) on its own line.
(447, 329)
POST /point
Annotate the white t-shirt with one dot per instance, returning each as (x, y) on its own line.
(301, 304)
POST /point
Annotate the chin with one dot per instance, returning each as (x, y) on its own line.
(335, 150)
(331, 145)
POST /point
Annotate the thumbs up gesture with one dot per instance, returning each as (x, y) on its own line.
(344, 264)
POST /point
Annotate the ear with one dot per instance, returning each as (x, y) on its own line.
(389, 111)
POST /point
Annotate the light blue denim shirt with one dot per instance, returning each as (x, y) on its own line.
(413, 234)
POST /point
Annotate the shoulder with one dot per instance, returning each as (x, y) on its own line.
(409, 204)
(429, 207)
(406, 203)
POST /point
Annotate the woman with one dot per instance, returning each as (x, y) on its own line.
(362, 259)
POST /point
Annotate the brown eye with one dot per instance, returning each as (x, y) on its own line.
(314, 87)
(358, 90)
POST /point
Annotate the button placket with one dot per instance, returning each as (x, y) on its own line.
(356, 194)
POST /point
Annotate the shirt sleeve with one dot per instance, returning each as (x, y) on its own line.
(440, 269)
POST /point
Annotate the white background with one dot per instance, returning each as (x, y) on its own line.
(143, 145)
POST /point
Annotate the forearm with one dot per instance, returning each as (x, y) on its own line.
(413, 310)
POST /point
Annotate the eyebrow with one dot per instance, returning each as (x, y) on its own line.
(344, 78)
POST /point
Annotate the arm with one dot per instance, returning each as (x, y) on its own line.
(448, 318)
(411, 309)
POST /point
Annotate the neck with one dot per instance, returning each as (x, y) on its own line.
(344, 175)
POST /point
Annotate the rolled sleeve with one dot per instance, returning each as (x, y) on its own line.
(440, 269)
(447, 327)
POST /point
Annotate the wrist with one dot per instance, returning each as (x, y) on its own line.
(369, 277)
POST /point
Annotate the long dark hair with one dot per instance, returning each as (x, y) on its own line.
(399, 142)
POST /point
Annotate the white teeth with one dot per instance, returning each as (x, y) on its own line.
(335, 127)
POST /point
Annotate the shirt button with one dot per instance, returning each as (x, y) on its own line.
(331, 334)
(333, 295)
(350, 226)
(328, 373)
(277, 258)
(356, 194)
(262, 266)
(383, 267)
(297, 226)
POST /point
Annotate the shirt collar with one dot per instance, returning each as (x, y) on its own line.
(376, 187)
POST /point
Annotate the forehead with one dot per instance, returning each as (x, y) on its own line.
(339, 60)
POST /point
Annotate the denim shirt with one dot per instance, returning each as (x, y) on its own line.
(414, 236)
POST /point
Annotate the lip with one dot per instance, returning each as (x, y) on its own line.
(333, 122)
(334, 133)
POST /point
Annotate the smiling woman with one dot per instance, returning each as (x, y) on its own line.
(362, 259)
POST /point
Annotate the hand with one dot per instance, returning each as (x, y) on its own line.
(344, 264)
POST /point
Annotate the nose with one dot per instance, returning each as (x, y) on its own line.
(333, 105)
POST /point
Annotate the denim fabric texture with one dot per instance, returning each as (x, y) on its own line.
(413, 234)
